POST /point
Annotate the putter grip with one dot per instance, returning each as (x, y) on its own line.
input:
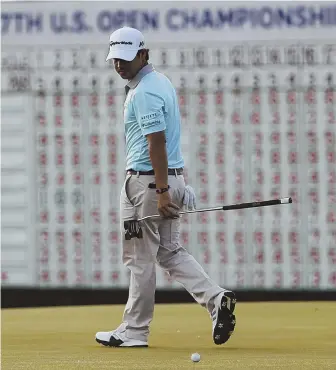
(264, 203)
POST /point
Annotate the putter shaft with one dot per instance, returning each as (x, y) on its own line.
(264, 203)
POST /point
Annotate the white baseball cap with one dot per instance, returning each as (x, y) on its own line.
(125, 43)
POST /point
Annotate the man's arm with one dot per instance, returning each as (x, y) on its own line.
(148, 108)
(158, 156)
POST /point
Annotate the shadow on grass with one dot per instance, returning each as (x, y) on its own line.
(208, 349)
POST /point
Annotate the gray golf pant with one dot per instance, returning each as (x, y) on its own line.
(160, 245)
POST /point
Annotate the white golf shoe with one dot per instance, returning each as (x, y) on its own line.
(117, 338)
(223, 319)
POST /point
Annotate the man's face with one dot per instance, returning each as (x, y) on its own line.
(128, 70)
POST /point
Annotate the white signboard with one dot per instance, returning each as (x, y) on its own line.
(42, 23)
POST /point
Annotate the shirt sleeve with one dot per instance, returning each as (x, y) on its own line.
(148, 109)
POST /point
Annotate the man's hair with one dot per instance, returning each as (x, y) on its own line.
(147, 53)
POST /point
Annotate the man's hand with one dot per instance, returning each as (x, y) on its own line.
(166, 207)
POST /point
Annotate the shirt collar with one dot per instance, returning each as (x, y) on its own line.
(132, 84)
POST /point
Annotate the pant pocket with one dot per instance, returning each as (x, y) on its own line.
(178, 191)
(125, 191)
(127, 211)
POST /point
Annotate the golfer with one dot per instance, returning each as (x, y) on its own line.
(154, 183)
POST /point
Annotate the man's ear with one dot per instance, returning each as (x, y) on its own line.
(143, 53)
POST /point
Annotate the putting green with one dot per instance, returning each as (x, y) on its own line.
(267, 336)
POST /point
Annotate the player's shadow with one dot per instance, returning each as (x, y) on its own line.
(223, 348)
(252, 349)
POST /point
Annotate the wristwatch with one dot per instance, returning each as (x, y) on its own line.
(162, 190)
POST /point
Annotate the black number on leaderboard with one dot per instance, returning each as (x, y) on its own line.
(329, 54)
(273, 80)
(40, 84)
(217, 54)
(312, 79)
(237, 56)
(199, 57)
(93, 60)
(201, 83)
(18, 83)
(182, 82)
(58, 84)
(330, 79)
(292, 55)
(163, 58)
(218, 80)
(183, 58)
(256, 56)
(58, 60)
(273, 56)
(236, 81)
(75, 58)
(310, 56)
(292, 80)
(75, 84)
(110, 83)
(256, 81)
(94, 83)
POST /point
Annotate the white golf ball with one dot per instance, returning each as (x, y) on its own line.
(195, 357)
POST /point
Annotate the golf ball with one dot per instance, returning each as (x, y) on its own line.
(195, 357)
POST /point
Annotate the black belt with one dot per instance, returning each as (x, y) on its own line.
(171, 171)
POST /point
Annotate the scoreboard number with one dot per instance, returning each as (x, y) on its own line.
(57, 61)
(274, 56)
(217, 53)
(237, 56)
(292, 55)
(183, 58)
(256, 57)
(329, 52)
(163, 58)
(200, 58)
(93, 60)
(310, 56)
(256, 81)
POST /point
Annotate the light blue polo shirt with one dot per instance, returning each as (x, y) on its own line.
(151, 106)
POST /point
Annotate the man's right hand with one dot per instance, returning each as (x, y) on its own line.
(166, 207)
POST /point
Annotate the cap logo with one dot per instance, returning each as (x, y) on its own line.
(141, 44)
(112, 43)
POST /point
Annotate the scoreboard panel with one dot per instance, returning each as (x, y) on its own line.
(258, 121)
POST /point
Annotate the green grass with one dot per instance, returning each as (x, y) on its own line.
(267, 336)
